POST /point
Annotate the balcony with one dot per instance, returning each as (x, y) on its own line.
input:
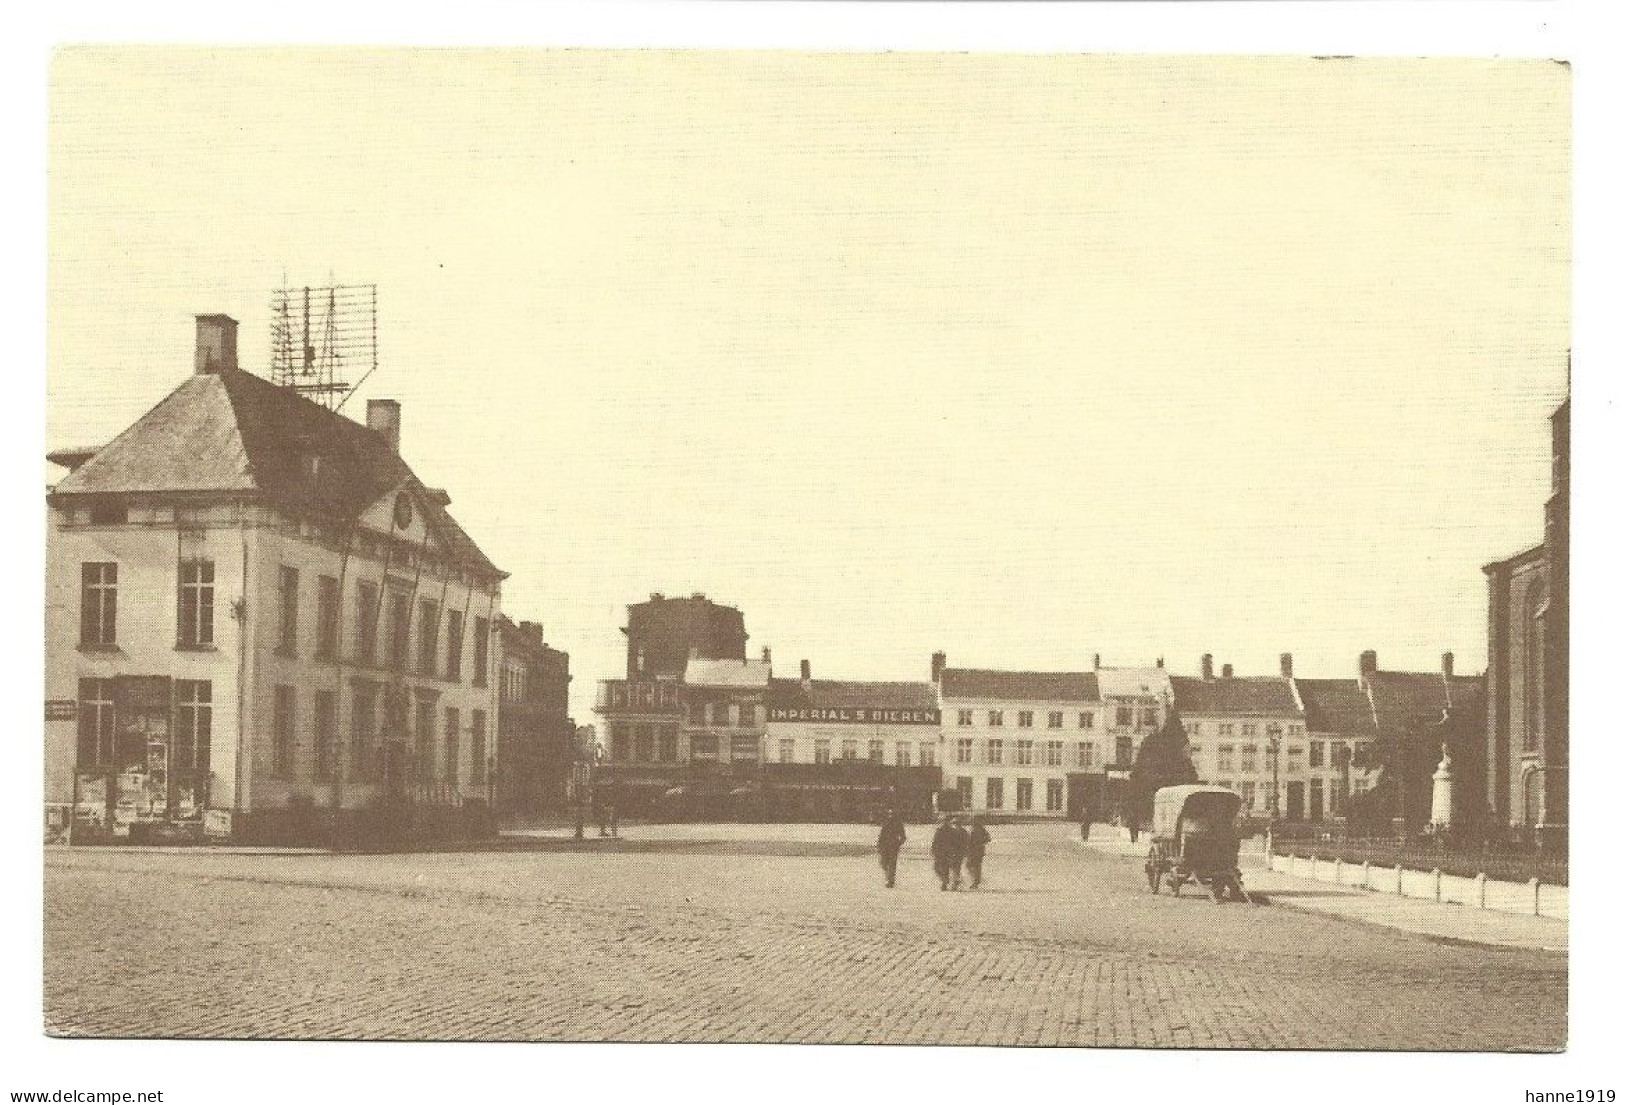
(644, 697)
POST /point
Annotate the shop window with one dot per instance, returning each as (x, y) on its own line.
(96, 715)
(904, 754)
(194, 724)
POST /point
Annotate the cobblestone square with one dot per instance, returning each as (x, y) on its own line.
(748, 933)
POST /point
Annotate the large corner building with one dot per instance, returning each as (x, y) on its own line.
(261, 624)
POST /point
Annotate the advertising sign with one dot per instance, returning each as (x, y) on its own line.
(855, 715)
(217, 824)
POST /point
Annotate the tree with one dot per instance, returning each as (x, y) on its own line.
(1163, 761)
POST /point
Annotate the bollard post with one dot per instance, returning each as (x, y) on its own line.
(1438, 885)
(1337, 870)
(1314, 868)
(1365, 874)
(1481, 879)
(1399, 878)
(1534, 894)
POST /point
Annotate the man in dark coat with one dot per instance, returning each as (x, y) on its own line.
(947, 851)
(891, 842)
(976, 842)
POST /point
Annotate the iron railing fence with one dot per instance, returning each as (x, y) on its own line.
(1512, 861)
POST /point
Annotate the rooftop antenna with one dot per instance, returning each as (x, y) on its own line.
(320, 334)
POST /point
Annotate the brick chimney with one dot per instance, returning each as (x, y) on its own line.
(1227, 671)
(806, 675)
(1207, 666)
(939, 661)
(384, 419)
(1447, 664)
(1368, 664)
(1286, 665)
(1159, 661)
(1097, 661)
(216, 349)
(767, 655)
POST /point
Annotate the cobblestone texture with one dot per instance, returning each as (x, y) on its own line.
(787, 936)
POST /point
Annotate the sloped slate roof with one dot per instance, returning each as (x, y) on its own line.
(701, 672)
(1252, 695)
(1411, 700)
(1335, 706)
(840, 694)
(231, 431)
(1039, 686)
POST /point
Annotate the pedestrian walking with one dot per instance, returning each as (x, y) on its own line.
(976, 842)
(945, 850)
(891, 841)
(1084, 817)
(961, 847)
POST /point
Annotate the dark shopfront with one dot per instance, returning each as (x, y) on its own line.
(142, 771)
(838, 792)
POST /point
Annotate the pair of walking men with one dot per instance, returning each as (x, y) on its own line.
(954, 849)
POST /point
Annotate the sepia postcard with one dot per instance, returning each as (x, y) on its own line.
(707, 546)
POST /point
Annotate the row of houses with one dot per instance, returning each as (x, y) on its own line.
(696, 717)
(261, 624)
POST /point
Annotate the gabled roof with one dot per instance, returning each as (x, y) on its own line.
(742, 674)
(843, 694)
(1030, 686)
(1409, 701)
(1266, 695)
(1133, 682)
(231, 431)
(1335, 706)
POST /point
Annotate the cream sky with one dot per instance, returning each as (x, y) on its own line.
(1023, 358)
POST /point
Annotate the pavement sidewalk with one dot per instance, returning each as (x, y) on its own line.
(1436, 920)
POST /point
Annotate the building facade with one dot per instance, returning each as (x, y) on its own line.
(536, 736)
(1247, 733)
(261, 624)
(1023, 742)
(1526, 738)
(838, 749)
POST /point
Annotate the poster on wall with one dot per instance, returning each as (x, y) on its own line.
(141, 750)
(90, 805)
